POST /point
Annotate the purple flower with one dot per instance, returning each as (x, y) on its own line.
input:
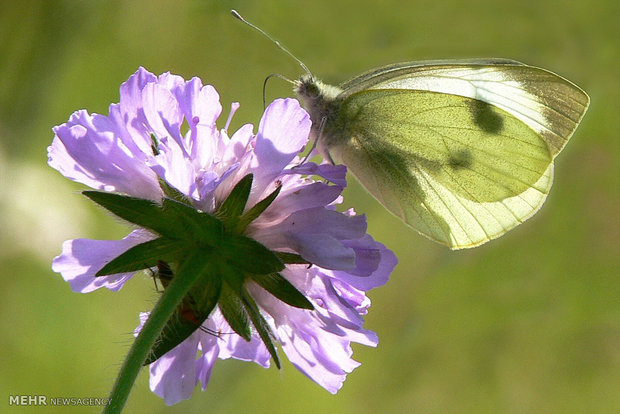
(163, 135)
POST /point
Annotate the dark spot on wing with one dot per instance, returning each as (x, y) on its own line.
(484, 116)
(461, 159)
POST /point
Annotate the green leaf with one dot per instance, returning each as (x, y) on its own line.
(145, 255)
(234, 312)
(250, 256)
(261, 325)
(291, 258)
(232, 208)
(197, 225)
(144, 213)
(257, 209)
(282, 289)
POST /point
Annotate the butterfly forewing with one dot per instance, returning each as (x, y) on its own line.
(476, 150)
(546, 102)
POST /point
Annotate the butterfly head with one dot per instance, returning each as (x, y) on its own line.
(318, 98)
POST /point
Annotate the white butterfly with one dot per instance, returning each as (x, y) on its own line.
(462, 151)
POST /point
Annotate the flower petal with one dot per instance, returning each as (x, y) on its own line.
(301, 196)
(87, 149)
(317, 342)
(333, 173)
(234, 346)
(163, 113)
(82, 258)
(373, 264)
(322, 221)
(238, 147)
(131, 113)
(173, 376)
(201, 107)
(174, 166)
(322, 250)
(282, 133)
(210, 351)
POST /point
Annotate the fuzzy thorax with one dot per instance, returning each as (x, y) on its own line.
(321, 101)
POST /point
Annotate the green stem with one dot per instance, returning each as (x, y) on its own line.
(163, 310)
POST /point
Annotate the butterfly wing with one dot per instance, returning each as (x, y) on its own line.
(461, 151)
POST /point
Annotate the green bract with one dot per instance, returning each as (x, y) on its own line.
(214, 249)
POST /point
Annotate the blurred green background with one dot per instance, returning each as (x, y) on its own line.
(529, 323)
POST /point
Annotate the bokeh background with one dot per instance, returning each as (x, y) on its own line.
(529, 323)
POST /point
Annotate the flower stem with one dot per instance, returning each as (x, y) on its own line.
(163, 310)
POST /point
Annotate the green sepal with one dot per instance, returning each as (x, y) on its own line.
(197, 225)
(185, 321)
(189, 315)
(145, 255)
(282, 289)
(232, 208)
(144, 213)
(232, 276)
(173, 193)
(206, 293)
(261, 325)
(234, 312)
(291, 258)
(251, 215)
(164, 273)
(174, 332)
(248, 255)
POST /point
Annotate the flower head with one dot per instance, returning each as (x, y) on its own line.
(280, 264)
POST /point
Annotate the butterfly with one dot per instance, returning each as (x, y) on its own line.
(460, 150)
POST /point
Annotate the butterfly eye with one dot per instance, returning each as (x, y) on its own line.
(307, 87)
(312, 90)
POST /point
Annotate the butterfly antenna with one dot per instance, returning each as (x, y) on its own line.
(273, 75)
(278, 44)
